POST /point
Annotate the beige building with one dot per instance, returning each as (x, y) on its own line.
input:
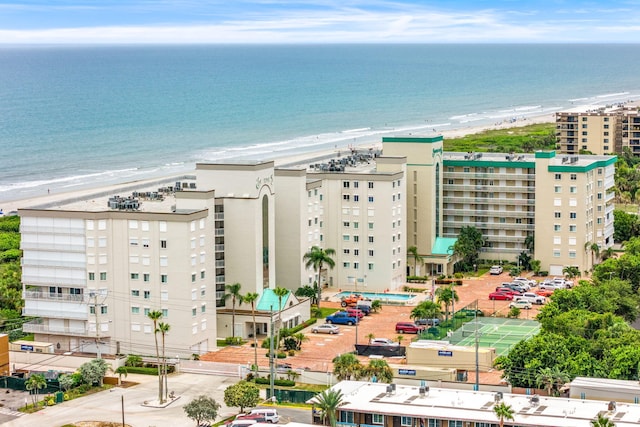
(602, 130)
(353, 204)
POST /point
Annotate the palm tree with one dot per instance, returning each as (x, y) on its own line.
(251, 298)
(233, 292)
(370, 336)
(503, 412)
(551, 379)
(346, 366)
(35, 382)
(156, 315)
(446, 296)
(571, 271)
(328, 402)
(380, 369)
(120, 371)
(426, 310)
(602, 421)
(376, 305)
(413, 252)
(530, 242)
(595, 252)
(607, 253)
(316, 258)
(163, 328)
(280, 293)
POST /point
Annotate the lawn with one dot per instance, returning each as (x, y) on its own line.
(517, 140)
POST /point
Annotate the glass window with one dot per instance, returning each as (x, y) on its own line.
(356, 238)
(165, 312)
(557, 215)
(147, 310)
(134, 276)
(572, 228)
(406, 421)
(573, 215)
(135, 310)
(345, 237)
(346, 417)
(103, 275)
(135, 293)
(573, 189)
(356, 198)
(194, 311)
(370, 266)
(164, 278)
(346, 264)
(378, 419)
(558, 177)
(147, 294)
(92, 276)
(557, 189)
(146, 277)
(371, 239)
(370, 199)
(370, 184)
(556, 227)
(574, 177)
(163, 244)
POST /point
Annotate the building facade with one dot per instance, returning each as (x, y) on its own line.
(602, 130)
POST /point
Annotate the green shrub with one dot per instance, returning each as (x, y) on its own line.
(143, 370)
(544, 273)
(278, 382)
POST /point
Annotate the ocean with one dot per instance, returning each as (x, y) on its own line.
(82, 116)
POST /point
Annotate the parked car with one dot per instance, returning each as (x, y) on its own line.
(532, 283)
(428, 322)
(325, 328)
(383, 341)
(408, 328)
(366, 309)
(507, 290)
(495, 269)
(500, 296)
(522, 304)
(515, 286)
(269, 414)
(551, 285)
(544, 292)
(350, 300)
(532, 297)
(354, 312)
(283, 367)
(341, 318)
(469, 312)
(522, 282)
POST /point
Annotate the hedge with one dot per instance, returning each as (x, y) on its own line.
(282, 383)
(147, 370)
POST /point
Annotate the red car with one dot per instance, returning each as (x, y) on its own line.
(544, 292)
(500, 296)
(354, 312)
(506, 290)
(408, 328)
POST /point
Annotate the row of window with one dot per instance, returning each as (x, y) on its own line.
(572, 215)
(101, 224)
(356, 184)
(146, 310)
(356, 265)
(356, 252)
(356, 198)
(347, 417)
(148, 328)
(572, 228)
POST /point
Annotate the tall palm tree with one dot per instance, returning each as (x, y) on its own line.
(602, 421)
(530, 243)
(120, 371)
(317, 258)
(426, 310)
(35, 382)
(413, 252)
(503, 412)
(233, 292)
(251, 298)
(163, 328)
(346, 366)
(551, 379)
(446, 296)
(156, 315)
(328, 402)
(280, 293)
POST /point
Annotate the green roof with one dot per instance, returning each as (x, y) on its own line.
(269, 301)
(413, 139)
(443, 245)
(545, 154)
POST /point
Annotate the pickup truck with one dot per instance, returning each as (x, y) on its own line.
(351, 300)
(341, 318)
(532, 297)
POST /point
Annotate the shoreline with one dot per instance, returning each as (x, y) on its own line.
(52, 198)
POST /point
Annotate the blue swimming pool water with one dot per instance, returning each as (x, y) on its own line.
(380, 296)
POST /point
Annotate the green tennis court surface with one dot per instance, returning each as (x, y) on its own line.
(499, 333)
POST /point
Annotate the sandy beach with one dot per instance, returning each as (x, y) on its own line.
(53, 198)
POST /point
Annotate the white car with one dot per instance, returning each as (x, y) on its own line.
(531, 283)
(531, 297)
(383, 341)
(495, 269)
(325, 328)
(521, 304)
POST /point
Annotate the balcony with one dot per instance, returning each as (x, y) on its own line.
(52, 296)
(219, 232)
(62, 247)
(75, 231)
(37, 326)
(57, 309)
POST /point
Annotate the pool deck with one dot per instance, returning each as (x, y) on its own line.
(333, 295)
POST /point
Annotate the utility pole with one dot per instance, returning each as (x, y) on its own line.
(96, 308)
(477, 384)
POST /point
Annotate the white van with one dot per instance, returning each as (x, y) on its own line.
(270, 415)
(242, 422)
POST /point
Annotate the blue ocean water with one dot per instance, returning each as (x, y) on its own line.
(82, 116)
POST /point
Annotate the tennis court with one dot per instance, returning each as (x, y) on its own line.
(499, 333)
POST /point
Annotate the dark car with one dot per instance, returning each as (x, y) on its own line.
(428, 322)
(516, 287)
(408, 328)
(366, 309)
(507, 290)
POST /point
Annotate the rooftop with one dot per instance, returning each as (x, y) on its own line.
(478, 406)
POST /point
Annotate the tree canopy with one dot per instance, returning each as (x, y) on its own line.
(467, 248)
(242, 395)
(202, 409)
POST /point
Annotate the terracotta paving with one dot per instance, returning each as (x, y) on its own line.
(320, 349)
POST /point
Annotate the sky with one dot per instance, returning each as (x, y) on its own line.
(318, 21)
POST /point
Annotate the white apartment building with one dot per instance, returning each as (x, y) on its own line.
(601, 130)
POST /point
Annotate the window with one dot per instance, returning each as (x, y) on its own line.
(599, 196)
(164, 261)
(133, 241)
(557, 214)
(345, 237)
(356, 252)
(356, 198)
(345, 184)
(434, 423)
(92, 309)
(203, 291)
(134, 276)
(135, 293)
(370, 226)
(346, 264)
(345, 197)
(465, 170)
(163, 244)
(370, 266)
(162, 226)
(145, 243)
(203, 308)
(572, 254)
(193, 277)
(147, 310)
(557, 240)
(103, 309)
(165, 312)
(147, 294)
(370, 184)
(406, 421)
(556, 227)
(378, 419)
(455, 423)
(346, 251)
(370, 252)
(573, 177)
(572, 228)
(573, 189)
(194, 311)
(146, 277)
(557, 189)
(573, 215)
(92, 276)
(371, 239)
(347, 417)
(558, 177)
(356, 225)
(164, 278)
(133, 224)
(356, 238)
(135, 310)
(356, 184)
(164, 295)
(356, 265)
(103, 275)
(345, 223)
(370, 199)
(202, 274)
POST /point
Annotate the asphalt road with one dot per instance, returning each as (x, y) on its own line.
(106, 406)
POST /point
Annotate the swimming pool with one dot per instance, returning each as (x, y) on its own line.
(383, 296)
